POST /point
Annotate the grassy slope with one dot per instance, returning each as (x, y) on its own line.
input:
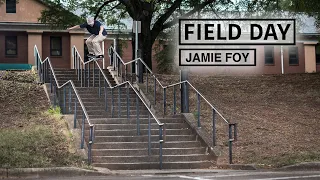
(278, 116)
(31, 135)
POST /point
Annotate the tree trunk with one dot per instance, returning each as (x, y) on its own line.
(145, 45)
(145, 40)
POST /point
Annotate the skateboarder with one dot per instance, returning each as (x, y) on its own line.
(99, 34)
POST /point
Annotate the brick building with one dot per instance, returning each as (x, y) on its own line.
(20, 31)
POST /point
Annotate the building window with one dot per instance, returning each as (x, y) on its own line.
(268, 55)
(293, 55)
(11, 6)
(318, 54)
(11, 45)
(55, 46)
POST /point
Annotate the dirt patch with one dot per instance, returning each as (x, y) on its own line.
(31, 133)
(277, 115)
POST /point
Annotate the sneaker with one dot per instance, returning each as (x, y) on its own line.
(99, 56)
(90, 55)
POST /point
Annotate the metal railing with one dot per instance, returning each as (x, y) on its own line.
(122, 73)
(47, 75)
(83, 69)
(79, 64)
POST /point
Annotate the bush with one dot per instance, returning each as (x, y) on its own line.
(33, 147)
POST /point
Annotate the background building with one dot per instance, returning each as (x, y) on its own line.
(20, 30)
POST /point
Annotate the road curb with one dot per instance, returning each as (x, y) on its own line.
(237, 166)
(55, 171)
(305, 166)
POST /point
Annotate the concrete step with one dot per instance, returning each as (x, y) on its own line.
(133, 132)
(155, 165)
(133, 120)
(135, 145)
(144, 151)
(95, 96)
(151, 158)
(102, 107)
(78, 83)
(142, 138)
(122, 112)
(102, 104)
(154, 125)
(109, 115)
(76, 77)
(74, 74)
(73, 71)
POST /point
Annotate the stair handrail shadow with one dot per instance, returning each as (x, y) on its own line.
(79, 63)
(43, 68)
(119, 65)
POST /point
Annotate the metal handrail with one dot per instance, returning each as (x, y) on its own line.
(163, 87)
(234, 125)
(137, 93)
(70, 81)
(38, 64)
(137, 59)
(75, 51)
(186, 81)
(161, 125)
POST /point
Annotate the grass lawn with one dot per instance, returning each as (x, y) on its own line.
(277, 115)
(32, 134)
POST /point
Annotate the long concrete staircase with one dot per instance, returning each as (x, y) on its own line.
(117, 144)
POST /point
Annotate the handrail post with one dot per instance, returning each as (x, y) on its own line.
(88, 74)
(51, 77)
(164, 102)
(45, 72)
(119, 102)
(82, 132)
(128, 101)
(99, 84)
(82, 68)
(90, 145)
(64, 99)
(198, 105)
(174, 100)
(75, 114)
(235, 132)
(213, 127)
(78, 68)
(149, 135)
(155, 89)
(230, 144)
(105, 95)
(54, 96)
(137, 111)
(40, 72)
(69, 97)
(125, 72)
(160, 145)
(112, 103)
(147, 86)
(94, 74)
(131, 72)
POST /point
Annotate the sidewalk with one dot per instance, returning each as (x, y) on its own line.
(73, 171)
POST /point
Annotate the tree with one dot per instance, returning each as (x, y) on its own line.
(159, 15)
(155, 15)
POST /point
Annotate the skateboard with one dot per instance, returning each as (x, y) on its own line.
(93, 58)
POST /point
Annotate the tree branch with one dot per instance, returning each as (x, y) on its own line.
(129, 7)
(100, 8)
(159, 23)
(197, 8)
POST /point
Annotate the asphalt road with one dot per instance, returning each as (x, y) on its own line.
(226, 175)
